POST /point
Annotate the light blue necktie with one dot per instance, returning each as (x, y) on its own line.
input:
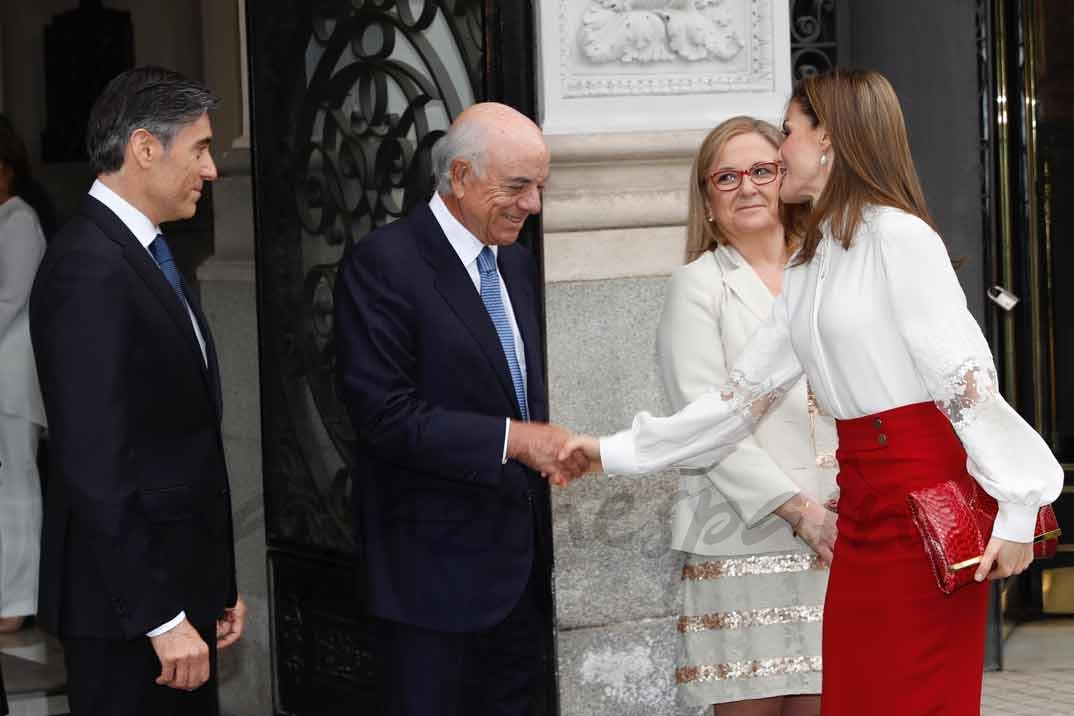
(163, 256)
(493, 299)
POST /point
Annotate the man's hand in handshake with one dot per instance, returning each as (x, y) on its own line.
(540, 446)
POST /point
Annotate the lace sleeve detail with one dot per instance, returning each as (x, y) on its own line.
(1004, 453)
(709, 427)
(962, 394)
(750, 399)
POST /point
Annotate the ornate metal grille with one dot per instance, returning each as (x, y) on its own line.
(348, 96)
(378, 82)
(813, 36)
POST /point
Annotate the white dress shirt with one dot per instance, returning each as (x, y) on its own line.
(874, 327)
(145, 231)
(467, 247)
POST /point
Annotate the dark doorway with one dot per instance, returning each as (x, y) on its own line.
(1033, 122)
(347, 99)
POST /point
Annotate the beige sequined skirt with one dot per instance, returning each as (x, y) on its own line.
(750, 627)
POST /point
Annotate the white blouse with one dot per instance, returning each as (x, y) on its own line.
(877, 326)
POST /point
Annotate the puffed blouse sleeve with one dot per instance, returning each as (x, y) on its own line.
(710, 427)
(1005, 455)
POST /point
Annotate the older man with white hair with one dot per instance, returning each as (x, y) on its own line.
(439, 353)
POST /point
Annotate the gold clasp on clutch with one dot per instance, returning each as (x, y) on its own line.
(965, 563)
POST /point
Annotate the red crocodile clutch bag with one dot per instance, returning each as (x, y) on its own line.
(956, 523)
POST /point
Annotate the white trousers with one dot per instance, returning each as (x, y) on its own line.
(20, 516)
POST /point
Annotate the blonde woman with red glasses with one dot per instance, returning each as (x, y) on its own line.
(752, 590)
(872, 313)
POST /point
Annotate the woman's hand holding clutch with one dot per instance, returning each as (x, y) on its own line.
(1003, 558)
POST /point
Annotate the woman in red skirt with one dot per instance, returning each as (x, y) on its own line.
(872, 313)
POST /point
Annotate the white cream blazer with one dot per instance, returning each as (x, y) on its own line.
(875, 326)
(713, 307)
(22, 246)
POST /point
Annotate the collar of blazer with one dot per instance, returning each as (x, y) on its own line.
(455, 285)
(743, 281)
(146, 268)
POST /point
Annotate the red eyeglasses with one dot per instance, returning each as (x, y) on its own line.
(728, 179)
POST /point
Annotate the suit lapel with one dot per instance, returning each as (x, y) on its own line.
(147, 270)
(744, 282)
(454, 284)
(520, 289)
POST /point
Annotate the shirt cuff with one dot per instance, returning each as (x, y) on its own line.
(1015, 522)
(168, 626)
(617, 454)
(506, 435)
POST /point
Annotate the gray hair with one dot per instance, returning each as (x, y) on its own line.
(467, 140)
(155, 99)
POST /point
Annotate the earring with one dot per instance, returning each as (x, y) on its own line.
(708, 219)
(823, 159)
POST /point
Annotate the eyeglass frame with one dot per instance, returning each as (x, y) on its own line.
(742, 173)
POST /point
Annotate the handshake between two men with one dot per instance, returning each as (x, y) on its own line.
(558, 454)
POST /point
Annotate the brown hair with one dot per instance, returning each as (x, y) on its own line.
(703, 235)
(872, 163)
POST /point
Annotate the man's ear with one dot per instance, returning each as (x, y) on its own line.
(460, 172)
(143, 147)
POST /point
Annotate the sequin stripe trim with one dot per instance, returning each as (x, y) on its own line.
(751, 566)
(756, 669)
(749, 618)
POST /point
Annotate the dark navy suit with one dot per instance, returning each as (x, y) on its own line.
(137, 513)
(454, 549)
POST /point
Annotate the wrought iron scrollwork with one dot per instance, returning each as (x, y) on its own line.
(374, 84)
(348, 97)
(387, 77)
(813, 36)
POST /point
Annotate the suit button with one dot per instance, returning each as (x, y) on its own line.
(223, 492)
(121, 606)
(882, 439)
(878, 423)
(471, 475)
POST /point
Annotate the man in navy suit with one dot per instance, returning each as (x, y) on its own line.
(440, 360)
(137, 568)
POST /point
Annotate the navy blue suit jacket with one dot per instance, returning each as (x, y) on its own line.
(447, 534)
(137, 513)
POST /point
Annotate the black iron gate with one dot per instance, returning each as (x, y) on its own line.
(348, 96)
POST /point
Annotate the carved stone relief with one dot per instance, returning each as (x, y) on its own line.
(660, 30)
(646, 47)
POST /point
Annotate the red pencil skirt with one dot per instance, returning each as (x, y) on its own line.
(893, 643)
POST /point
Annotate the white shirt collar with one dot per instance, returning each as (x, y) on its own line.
(466, 245)
(139, 224)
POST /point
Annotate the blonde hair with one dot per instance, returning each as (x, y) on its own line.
(703, 235)
(872, 164)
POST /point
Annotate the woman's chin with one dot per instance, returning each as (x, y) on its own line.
(792, 197)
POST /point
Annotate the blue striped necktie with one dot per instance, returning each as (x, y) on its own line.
(163, 256)
(493, 299)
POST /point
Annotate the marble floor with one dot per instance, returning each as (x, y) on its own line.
(1038, 674)
(1038, 678)
(32, 663)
